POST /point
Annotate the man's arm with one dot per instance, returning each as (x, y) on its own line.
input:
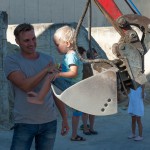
(61, 107)
(38, 98)
(24, 83)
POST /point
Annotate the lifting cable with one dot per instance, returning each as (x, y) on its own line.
(99, 60)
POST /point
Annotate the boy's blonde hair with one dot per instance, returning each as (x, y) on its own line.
(65, 34)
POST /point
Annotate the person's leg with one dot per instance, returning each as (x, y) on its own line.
(133, 127)
(23, 136)
(45, 138)
(140, 127)
(85, 120)
(133, 124)
(139, 138)
(91, 120)
(75, 122)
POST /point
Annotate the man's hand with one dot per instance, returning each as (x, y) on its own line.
(51, 68)
(65, 127)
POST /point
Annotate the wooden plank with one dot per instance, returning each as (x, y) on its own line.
(31, 11)
(79, 8)
(57, 11)
(4, 5)
(45, 11)
(69, 11)
(16, 12)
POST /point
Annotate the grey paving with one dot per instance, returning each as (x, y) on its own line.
(113, 131)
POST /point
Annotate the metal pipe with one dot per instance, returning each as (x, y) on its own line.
(133, 7)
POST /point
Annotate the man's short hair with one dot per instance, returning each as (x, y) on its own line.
(22, 28)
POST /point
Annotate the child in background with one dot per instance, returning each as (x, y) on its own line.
(136, 109)
(88, 129)
(71, 72)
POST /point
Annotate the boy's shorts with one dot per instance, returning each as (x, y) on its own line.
(77, 113)
(63, 84)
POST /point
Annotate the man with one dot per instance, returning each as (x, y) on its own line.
(26, 71)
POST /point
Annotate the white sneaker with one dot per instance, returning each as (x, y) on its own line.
(131, 136)
(138, 138)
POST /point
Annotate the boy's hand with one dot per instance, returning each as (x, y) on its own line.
(59, 67)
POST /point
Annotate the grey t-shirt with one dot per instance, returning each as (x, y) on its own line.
(25, 112)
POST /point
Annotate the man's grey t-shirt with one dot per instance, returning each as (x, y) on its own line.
(25, 112)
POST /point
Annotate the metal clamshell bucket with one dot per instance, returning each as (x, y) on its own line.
(96, 95)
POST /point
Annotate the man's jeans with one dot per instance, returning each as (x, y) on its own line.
(44, 135)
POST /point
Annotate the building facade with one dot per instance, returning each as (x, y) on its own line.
(60, 11)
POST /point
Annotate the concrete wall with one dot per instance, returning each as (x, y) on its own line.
(4, 104)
